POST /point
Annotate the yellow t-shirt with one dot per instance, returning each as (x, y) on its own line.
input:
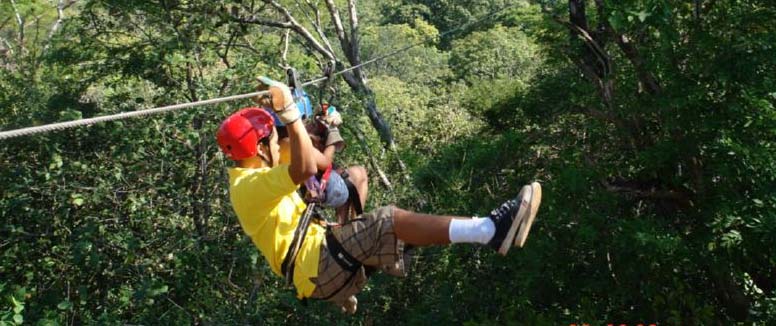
(269, 209)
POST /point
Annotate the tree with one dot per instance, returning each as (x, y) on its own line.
(349, 50)
(499, 53)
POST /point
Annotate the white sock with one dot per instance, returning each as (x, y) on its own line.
(476, 230)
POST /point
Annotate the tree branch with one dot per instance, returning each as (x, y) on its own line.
(372, 161)
(291, 23)
(300, 29)
(5, 22)
(317, 25)
(355, 48)
(591, 43)
(225, 59)
(354, 80)
(284, 52)
(20, 21)
(646, 79)
(264, 22)
(340, 30)
(60, 16)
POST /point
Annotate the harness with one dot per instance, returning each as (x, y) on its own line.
(314, 197)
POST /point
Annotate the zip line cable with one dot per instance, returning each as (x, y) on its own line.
(124, 115)
(118, 116)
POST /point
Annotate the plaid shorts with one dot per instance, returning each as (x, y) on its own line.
(371, 240)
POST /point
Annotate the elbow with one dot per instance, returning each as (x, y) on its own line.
(301, 173)
(324, 163)
(309, 170)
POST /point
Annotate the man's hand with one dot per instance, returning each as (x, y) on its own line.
(279, 99)
(330, 121)
(333, 138)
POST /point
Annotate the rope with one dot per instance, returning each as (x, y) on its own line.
(118, 116)
(125, 115)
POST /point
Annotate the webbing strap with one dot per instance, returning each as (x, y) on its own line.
(354, 198)
(343, 258)
(353, 195)
(287, 267)
(315, 187)
(340, 255)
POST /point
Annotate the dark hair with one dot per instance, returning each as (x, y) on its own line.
(282, 132)
(265, 140)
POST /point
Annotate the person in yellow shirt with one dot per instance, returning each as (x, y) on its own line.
(328, 262)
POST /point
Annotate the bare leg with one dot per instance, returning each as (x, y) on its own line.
(422, 229)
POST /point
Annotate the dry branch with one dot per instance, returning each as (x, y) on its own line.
(372, 161)
(340, 30)
(20, 21)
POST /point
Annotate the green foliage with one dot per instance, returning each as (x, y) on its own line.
(657, 207)
(446, 14)
(500, 53)
(424, 65)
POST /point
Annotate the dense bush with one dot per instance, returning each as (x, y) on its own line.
(651, 126)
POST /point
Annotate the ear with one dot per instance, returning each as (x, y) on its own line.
(263, 150)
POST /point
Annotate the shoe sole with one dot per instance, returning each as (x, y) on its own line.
(525, 199)
(527, 221)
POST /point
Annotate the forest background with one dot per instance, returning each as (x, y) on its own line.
(650, 123)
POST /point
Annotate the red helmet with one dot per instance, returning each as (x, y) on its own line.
(239, 134)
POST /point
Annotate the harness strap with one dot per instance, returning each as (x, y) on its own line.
(314, 189)
(287, 267)
(325, 178)
(340, 255)
(353, 196)
(343, 258)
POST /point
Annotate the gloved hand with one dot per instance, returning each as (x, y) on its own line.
(333, 137)
(332, 118)
(279, 99)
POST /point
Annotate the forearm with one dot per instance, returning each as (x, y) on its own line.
(325, 155)
(322, 161)
(304, 157)
(329, 151)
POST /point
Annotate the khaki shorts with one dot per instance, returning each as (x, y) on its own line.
(371, 240)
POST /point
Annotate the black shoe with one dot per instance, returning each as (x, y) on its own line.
(513, 218)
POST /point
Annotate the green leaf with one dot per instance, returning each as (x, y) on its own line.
(159, 290)
(65, 305)
(731, 239)
(70, 114)
(616, 21)
(18, 319)
(758, 203)
(56, 162)
(642, 15)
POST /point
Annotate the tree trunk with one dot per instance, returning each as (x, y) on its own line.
(730, 293)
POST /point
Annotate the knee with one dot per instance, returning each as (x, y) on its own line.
(357, 175)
